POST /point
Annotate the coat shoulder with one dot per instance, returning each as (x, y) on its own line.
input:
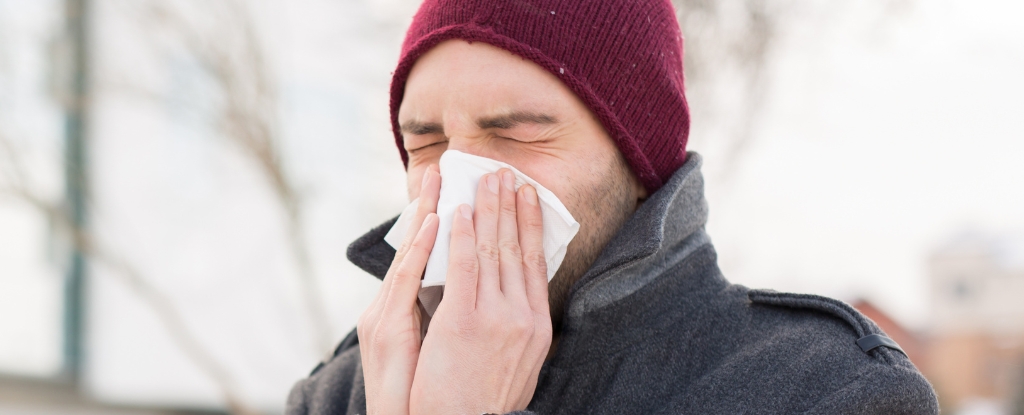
(828, 320)
(865, 367)
(334, 387)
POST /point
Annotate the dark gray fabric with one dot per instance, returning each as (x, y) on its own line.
(654, 327)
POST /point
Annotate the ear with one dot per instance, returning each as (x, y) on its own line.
(639, 190)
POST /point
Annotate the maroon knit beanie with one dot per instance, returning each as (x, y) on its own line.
(623, 58)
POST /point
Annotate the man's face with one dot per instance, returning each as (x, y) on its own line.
(482, 100)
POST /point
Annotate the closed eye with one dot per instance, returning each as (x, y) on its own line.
(413, 150)
(521, 141)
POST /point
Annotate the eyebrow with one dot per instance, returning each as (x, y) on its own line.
(421, 128)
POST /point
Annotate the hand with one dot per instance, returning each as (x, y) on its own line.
(389, 329)
(491, 332)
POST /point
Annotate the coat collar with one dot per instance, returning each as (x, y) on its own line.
(666, 228)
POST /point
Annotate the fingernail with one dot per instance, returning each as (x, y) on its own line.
(426, 174)
(509, 179)
(466, 211)
(492, 182)
(531, 195)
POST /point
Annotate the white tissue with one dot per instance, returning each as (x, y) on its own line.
(460, 174)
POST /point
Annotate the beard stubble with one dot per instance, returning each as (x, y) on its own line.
(603, 206)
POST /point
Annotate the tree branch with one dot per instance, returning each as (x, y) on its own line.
(18, 189)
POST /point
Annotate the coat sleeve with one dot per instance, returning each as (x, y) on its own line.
(897, 391)
(334, 387)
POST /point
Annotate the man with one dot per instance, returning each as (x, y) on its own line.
(587, 99)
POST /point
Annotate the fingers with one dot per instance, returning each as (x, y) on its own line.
(534, 275)
(430, 190)
(485, 224)
(463, 264)
(406, 279)
(531, 242)
(510, 255)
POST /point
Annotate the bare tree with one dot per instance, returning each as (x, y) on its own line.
(729, 49)
(15, 184)
(728, 43)
(221, 36)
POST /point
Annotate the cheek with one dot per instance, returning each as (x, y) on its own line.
(594, 193)
(412, 183)
(413, 180)
(569, 173)
(417, 166)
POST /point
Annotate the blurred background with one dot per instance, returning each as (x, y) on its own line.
(179, 180)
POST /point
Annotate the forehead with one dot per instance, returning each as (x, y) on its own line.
(480, 77)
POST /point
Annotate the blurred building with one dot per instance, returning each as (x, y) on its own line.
(976, 347)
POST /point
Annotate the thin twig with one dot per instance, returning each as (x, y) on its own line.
(82, 241)
(247, 119)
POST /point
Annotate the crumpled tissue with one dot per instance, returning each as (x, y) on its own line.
(460, 174)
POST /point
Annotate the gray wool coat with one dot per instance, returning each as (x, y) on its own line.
(654, 328)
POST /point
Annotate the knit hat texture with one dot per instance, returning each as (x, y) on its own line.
(622, 58)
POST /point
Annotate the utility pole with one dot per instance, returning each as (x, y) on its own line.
(76, 183)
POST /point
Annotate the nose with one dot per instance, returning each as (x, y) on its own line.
(459, 143)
